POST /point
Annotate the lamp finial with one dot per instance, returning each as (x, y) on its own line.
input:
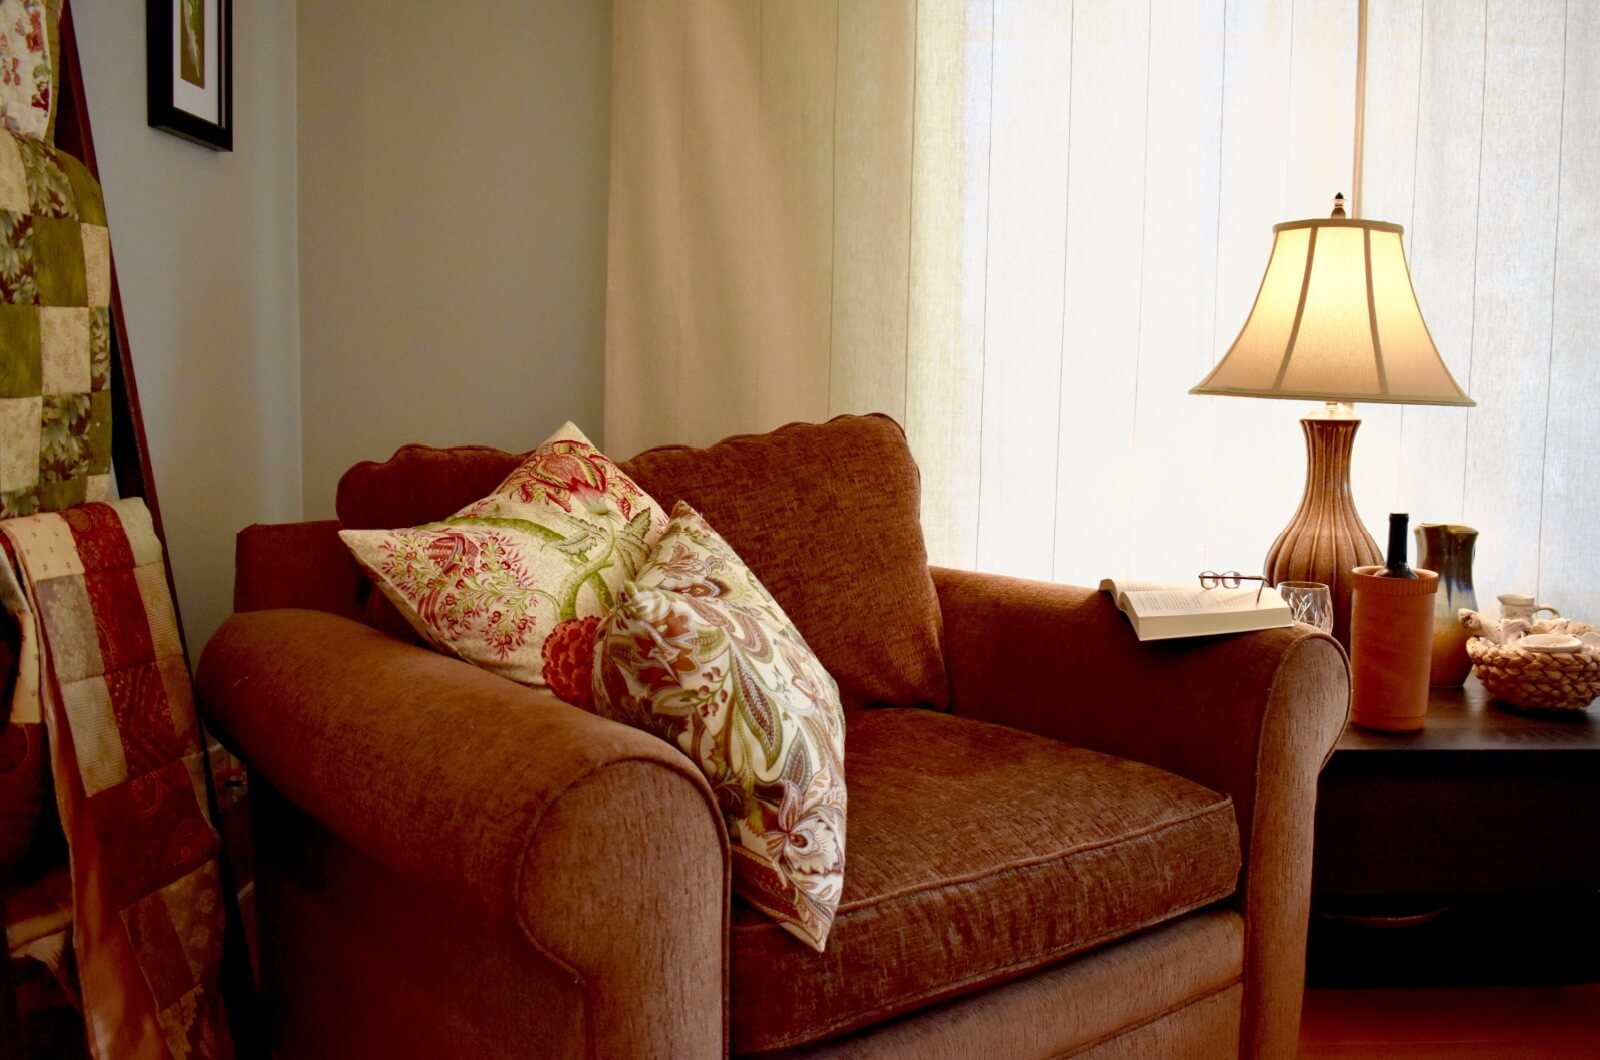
(1338, 205)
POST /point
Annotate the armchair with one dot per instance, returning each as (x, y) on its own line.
(1101, 848)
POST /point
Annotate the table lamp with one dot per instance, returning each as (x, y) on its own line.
(1336, 320)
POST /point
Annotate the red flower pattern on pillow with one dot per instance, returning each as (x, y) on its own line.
(564, 471)
(569, 660)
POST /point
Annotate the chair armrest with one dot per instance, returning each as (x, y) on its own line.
(1062, 661)
(279, 565)
(600, 843)
(1254, 715)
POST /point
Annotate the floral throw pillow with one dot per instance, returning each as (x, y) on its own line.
(517, 582)
(699, 653)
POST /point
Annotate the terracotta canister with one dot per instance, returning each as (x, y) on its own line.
(1391, 648)
(1447, 548)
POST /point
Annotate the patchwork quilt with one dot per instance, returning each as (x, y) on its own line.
(102, 667)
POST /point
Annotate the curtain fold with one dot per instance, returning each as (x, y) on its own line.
(1026, 228)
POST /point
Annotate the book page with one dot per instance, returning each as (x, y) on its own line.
(1168, 599)
(1117, 588)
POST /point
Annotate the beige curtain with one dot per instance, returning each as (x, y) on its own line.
(1026, 228)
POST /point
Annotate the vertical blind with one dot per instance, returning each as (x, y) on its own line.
(1025, 228)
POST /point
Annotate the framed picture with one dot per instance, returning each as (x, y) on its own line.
(191, 69)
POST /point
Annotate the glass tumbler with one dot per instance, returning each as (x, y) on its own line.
(1309, 602)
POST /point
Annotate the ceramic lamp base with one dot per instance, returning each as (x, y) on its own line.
(1325, 540)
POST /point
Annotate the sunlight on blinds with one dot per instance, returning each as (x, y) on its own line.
(1023, 280)
(1519, 166)
(1178, 292)
(1569, 528)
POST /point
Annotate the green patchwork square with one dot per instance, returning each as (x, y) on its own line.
(63, 438)
(18, 285)
(85, 190)
(58, 496)
(99, 348)
(49, 188)
(21, 367)
(58, 262)
(99, 433)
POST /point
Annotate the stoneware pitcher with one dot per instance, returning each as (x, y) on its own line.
(1447, 548)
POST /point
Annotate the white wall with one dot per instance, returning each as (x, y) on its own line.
(204, 244)
(452, 225)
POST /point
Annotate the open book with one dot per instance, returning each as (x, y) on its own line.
(1163, 610)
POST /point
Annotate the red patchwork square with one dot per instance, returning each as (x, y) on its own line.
(152, 831)
(101, 540)
(144, 719)
(119, 618)
(160, 951)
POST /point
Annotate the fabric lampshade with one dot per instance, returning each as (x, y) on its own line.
(1336, 319)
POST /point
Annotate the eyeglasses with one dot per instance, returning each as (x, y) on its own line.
(1231, 579)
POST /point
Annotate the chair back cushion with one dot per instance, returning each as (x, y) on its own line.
(419, 484)
(828, 517)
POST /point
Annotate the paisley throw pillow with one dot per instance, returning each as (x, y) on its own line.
(699, 653)
(517, 582)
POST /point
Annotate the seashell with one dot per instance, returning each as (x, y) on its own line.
(1551, 643)
(1478, 626)
(1513, 630)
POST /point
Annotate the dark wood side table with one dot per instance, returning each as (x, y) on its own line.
(1486, 823)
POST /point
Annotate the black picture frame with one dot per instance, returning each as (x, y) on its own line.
(167, 67)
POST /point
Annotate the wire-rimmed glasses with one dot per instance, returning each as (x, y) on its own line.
(1231, 579)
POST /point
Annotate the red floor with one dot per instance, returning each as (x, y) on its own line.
(1546, 1023)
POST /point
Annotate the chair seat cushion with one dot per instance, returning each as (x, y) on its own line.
(978, 853)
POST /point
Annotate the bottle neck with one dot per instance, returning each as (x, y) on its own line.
(1395, 565)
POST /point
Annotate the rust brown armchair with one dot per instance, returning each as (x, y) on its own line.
(1061, 841)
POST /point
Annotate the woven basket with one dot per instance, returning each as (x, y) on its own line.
(1541, 680)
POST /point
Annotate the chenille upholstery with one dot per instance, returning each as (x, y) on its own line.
(1101, 849)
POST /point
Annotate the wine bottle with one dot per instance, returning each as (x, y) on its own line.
(1394, 562)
